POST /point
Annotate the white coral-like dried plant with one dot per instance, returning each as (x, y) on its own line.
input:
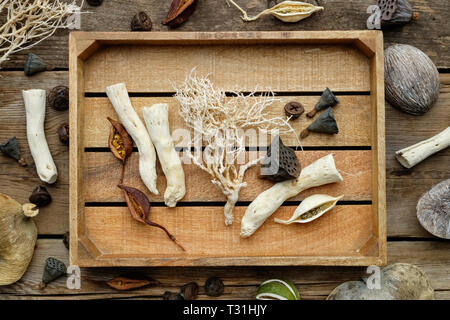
(221, 122)
(29, 22)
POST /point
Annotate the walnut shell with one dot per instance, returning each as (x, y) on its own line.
(411, 79)
(433, 210)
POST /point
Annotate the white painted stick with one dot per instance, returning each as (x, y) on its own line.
(34, 101)
(157, 120)
(412, 155)
(118, 95)
(320, 172)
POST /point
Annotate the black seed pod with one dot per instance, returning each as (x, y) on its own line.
(52, 271)
(325, 123)
(40, 196)
(11, 149)
(141, 22)
(281, 162)
(327, 99)
(34, 64)
(214, 287)
(395, 12)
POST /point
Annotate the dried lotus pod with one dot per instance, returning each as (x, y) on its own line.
(411, 79)
(325, 123)
(34, 64)
(281, 162)
(312, 208)
(53, 269)
(396, 12)
(327, 99)
(433, 210)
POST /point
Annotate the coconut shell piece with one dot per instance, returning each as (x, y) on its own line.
(327, 99)
(18, 235)
(11, 149)
(399, 281)
(53, 269)
(411, 79)
(281, 162)
(325, 123)
(433, 210)
(34, 64)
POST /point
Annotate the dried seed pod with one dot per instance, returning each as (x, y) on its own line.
(66, 240)
(411, 79)
(34, 64)
(294, 109)
(311, 209)
(387, 13)
(119, 142)
(325, 123)
(327, 99)
(53, 269)
(139, 207)
(214, 287)
(130, 282)
(281, 162)
(58, 98)
(172, 296)
(94, 3)
(11, 149)
(63, 134)
(141, 22)
(40, 196)
(190, 291)
(179, 12)
(433, 210)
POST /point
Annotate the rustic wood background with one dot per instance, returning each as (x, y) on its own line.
(407, 240)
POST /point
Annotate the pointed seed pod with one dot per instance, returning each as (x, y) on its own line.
(281, 162)
(53, 269)
(11, 149)
(34, 64)
(120, 142)
(327, 99)
(325, 123)
(179, 12)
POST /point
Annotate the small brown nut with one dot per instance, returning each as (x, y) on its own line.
(172, 296)
(58, 98)
(141, 22)
(214, 287)
(63, 133)
(40, 196)
(190, 291)
(94, 3)
(294, 109)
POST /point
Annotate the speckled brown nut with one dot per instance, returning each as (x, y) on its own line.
(190, 291)
(141, 22)
(63, 134)
(58, 98)
(214, 287)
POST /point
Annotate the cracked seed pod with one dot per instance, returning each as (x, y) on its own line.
(18, 235)
(53, 269)
(411, 79)
(387, 13)
(400, 281)
(281, 162)
(433, 210)
(34, 64)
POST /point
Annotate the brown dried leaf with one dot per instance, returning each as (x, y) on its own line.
(124, 283)
(119, 141)
(179, 12)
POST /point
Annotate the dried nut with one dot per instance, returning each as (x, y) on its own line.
(58, 98)
(190, 291)
(40, 196)
(411, 79)
(66, 240)
(141, 22)
(214, 287)
(172, 296)
(94, 3)
(124, 283)
(11, 149)
(63, 133)
(281, 162)
(293, 109)
(179, 12)
(52, 271)
(34, 64)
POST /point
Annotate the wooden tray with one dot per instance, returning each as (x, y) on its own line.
(296, 65)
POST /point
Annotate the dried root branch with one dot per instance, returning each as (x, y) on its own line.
(29, 22)
(221, 123)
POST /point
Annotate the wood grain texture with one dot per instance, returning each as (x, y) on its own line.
(102, 174)
(429, 33)
(352, 115)
(240, 282)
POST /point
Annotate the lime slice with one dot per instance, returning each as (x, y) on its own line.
(276, 289)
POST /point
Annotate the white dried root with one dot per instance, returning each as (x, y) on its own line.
(221, 122)
(157, 120)
(320, 172)
(118, 95)
(34, 101)
(412, 155)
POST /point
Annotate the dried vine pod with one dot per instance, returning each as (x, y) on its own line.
(433, 210)
(411, 79)
(387, 13)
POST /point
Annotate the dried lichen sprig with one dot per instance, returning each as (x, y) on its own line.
(29, 22)
(220, 122)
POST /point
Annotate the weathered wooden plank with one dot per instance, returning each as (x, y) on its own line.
(240, 282)
(352, 114)
(103, 173)
(429, 33)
